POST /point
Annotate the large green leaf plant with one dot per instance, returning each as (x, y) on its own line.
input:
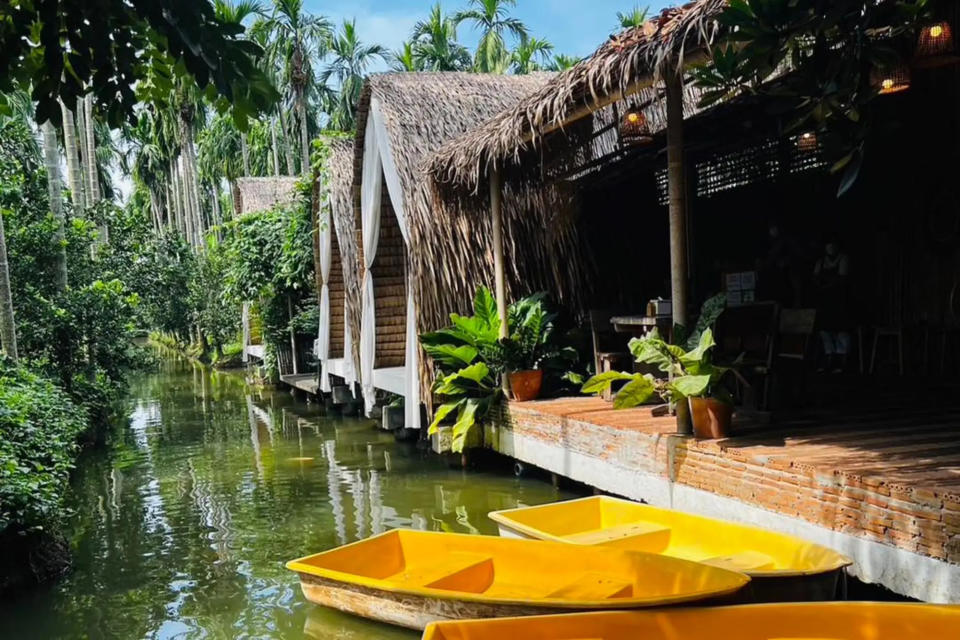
(471, 357)
(689, 371)
(688, 374)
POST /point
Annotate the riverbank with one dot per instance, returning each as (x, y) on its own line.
(228, 358)
(183, 523)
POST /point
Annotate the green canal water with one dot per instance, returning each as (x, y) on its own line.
(183, 524)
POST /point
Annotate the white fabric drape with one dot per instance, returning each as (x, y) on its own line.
(389, 167)
(411, 374)
(378, 161)
(370, 221)
(326, 259)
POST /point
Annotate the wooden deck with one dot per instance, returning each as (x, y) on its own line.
(303, 381)
(889, 477)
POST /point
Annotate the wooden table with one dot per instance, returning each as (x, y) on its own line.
(641, 325)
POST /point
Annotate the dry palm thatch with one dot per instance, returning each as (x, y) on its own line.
(339, 173)
(260, 194)
(629, 63)
(450, 253)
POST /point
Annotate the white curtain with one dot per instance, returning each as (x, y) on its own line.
(378, 160)
(411, 374)
(326, 259)
(370, 221)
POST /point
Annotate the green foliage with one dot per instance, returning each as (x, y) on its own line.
(117, 48)
(471, 357)
(39, 427)
(687, 370)
(831, 50)
(688, 374)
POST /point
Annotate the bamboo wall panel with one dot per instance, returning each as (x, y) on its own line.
(389, 288)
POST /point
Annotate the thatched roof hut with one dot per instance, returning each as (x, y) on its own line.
(579, 103)
(422, 258)
(260, 194)
(338, 275)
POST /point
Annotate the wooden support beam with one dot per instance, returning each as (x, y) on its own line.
(496, 199)
(677, 174)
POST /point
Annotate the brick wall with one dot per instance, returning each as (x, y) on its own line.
(924, 520)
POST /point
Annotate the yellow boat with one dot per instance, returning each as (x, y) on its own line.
(784, 568)
(806, 621)
(411, 578)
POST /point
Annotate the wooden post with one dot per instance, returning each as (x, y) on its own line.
(245, 323)
(496, 195)
(677, 177)
(500, 285)
(293, 337)
(676, 173)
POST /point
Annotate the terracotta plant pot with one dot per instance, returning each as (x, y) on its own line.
(525, 385)
(711, 418)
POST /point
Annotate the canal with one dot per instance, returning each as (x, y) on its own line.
(181, 527)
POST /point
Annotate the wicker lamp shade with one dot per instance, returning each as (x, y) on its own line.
(634, 128)
(807, 142)
(892, 80)
(936, 45)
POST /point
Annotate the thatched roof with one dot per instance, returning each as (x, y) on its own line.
(339, 173)
(627, 64)
(450, 253)
(421, 111)
(260, 194)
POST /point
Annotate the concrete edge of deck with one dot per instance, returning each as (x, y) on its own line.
(905, 572)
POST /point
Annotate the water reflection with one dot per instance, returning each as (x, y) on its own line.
(182, 528)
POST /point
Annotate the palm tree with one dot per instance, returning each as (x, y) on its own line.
(525, 57)
(435, 46)
(347, 69)
(562, 62)
(403, 59)
(298, 38)
(51, 160)
(71, 149)
(633, 18)
(492, 19)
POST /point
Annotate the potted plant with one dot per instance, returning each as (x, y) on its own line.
(529, 347)
(690, 378)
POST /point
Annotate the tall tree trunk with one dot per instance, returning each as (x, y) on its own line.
(245, 154)
(215, 202)
(73, 156)
(274, 149)
(185, 202)
(51, 158)
(94, 178)
(177, 201)
(304, 137)
(287, 130)
(168, 201)
(193, 184)
(84, 152)
(8, 327)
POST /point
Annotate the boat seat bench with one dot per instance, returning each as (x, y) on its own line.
(744, 561)
(611, 534)
(594, 586)
(445, 566)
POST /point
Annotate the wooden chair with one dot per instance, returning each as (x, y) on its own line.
(747, 335)
(890, 321)
(795, 331)
(609, 347)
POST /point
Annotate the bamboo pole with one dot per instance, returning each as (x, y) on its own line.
(496, 199)
(676, 172)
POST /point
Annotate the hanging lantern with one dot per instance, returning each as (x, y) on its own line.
(935, 46)
(807, 142)
(892, 80)
(634, 128)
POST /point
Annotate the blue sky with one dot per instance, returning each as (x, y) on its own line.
(575, 27)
